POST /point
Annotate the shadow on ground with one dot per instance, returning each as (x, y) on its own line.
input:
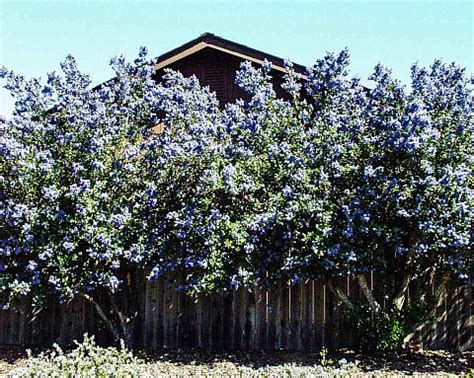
(422, 362)
(426, 362)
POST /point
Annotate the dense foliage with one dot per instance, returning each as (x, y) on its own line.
(382, 331)
(332, 180)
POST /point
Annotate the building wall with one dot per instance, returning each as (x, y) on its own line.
(217, 70)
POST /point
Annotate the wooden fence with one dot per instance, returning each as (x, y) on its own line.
(302, 317)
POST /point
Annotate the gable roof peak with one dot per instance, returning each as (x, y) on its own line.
(207, 34)
(211, 40)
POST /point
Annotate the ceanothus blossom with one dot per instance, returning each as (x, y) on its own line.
(331, 180)
(69, 207)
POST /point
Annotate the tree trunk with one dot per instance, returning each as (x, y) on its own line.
(343, 298)
(110, 324)
(120, 326)
(368, 293)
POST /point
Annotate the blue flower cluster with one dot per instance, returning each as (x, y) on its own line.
(332, 180)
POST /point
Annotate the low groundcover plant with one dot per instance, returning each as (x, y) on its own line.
(86, 360)
(89, 360)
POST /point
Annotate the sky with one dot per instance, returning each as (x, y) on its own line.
(35, 36)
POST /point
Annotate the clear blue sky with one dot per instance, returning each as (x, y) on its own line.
(37, 35)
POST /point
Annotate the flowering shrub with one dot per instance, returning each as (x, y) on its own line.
(334, 180)
(71, 220)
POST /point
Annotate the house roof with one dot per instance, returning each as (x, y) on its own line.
(209, 40)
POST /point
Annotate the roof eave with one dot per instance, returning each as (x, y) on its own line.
(217, 43)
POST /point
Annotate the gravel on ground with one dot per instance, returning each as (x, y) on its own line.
(188, 363)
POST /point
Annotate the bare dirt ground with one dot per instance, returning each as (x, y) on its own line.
(279, 363)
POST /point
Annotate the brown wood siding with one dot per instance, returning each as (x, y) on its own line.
(217, 70)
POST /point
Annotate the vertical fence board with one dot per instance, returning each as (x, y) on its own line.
(250, 330)
(330, 328)
(139, 319)
(466, 334)
(273, 316)
(260, 317)
(452, 317)
(227, 320)
(181, 339)
(284, 318)
(170, 320)
(159, 313)
(167, 315)
(198, 313)
(458, 318)
(2, 326)
(294, 317)
(441, 314)
(208, 320)
(8, 323)
(189, 322)
(319, 311)
(148, 324)
(439, 331)
(217, 326)
(307, 329)
(204, 324)
(239, 310)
